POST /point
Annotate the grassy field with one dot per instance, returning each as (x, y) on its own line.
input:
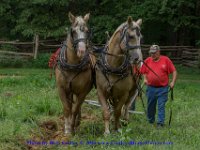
(29, 99)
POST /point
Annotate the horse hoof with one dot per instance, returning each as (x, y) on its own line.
(106, 133)
(119, 130)
(76, 130)
(124, 122)
(68, 133)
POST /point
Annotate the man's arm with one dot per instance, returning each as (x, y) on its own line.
(174, 76)
(145, 79)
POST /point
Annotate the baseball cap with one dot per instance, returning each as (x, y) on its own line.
(154, 48)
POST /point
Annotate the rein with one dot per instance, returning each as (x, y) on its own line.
(150, 69)
(103, 50)
(170, 109)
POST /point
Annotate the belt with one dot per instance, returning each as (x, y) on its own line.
(157, 86)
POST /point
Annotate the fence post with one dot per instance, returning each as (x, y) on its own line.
(36, 45)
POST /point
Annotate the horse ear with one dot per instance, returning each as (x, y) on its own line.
(130, 20)
(71, 17)
(86, 17)
(139, 22)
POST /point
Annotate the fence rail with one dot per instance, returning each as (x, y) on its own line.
(185, 55)
(5, 55)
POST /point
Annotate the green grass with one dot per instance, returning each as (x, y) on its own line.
(28, 96)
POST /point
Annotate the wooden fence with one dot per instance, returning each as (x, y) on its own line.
(185, 55)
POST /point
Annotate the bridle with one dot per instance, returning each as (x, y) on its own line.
(62, 61)
(75, 41)
(125, 38)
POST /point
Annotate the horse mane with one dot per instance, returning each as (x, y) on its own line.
(118, 29)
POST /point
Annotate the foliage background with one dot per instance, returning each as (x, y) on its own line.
(166, 22)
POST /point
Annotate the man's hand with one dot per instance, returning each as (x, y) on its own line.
(171, 85)
(145, 80)
(174, 76)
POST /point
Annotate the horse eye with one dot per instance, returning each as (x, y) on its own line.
(73, 31)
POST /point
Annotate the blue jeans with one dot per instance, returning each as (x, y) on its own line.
(156, 95)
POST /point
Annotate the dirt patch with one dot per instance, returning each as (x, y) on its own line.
(89, 117)
(48, 131)
(51, 133)
(8, 94)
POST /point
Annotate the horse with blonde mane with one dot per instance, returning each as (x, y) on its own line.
(74, 77)
(114, 79)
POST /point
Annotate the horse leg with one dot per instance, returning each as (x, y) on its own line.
(78, 118)
(125, 112)
(67, 108)
(106, 112)
(127, 105)
(76, 112)
(118, 110)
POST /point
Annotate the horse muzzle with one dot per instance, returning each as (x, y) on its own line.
(81, 49)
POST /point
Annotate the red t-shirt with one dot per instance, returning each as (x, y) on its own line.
(163, 67)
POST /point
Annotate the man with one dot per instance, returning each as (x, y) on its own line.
(157, 81)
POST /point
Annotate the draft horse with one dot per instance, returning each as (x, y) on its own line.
(115, 81)
(74, 71)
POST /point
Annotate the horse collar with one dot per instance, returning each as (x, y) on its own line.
(62, 62)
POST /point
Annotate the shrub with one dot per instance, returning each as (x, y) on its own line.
(8, 47)
(40, 62)
(14, 63)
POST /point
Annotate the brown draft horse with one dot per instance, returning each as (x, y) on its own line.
(74, 71)
(114, 77)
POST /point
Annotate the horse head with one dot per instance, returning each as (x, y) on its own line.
(79, 33)
(130, 39)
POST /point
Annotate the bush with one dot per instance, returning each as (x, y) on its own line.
(8, 47)
(16, 63)
(40, 62)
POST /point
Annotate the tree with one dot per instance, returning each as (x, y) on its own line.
(164, 21)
